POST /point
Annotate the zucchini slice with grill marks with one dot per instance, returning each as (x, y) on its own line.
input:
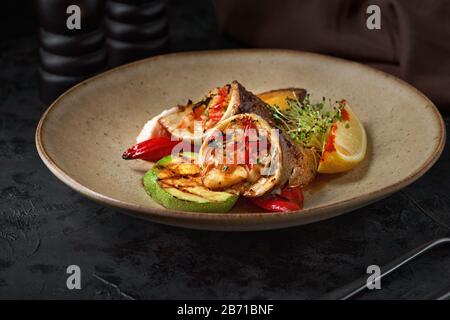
(175, 183)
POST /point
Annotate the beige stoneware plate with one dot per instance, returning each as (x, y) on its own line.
(82, 135)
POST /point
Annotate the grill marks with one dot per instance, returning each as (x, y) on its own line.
(185, 177)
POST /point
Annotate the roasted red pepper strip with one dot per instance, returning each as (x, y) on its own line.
(248, 125)
(151, 150)
(216, 111)
(290, 199)
(276, 204)
(215, 115)
(294, 194)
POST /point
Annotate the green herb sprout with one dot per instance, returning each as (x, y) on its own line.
(308, 123)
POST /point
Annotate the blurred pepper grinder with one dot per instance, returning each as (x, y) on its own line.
(135, 29)
(71, 44)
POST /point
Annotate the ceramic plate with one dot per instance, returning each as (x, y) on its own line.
(82, 135)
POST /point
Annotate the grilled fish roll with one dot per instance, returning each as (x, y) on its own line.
(299, 163)
(242, 154)
(189, 122)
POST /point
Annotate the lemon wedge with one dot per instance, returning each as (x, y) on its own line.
(346, 146)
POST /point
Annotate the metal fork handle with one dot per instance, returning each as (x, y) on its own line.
(350, 290)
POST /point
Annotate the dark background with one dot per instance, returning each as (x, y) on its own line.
(17, 19)
(45, 226)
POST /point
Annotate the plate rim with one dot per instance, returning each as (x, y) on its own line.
(310, 215)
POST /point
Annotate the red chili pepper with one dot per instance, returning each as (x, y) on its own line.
(151, 150)
(290, 199)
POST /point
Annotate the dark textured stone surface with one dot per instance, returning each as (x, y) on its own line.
(45, 226)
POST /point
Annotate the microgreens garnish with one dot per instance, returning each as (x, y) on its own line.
(306, 122)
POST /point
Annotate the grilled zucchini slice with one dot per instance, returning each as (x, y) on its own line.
(175, 183)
